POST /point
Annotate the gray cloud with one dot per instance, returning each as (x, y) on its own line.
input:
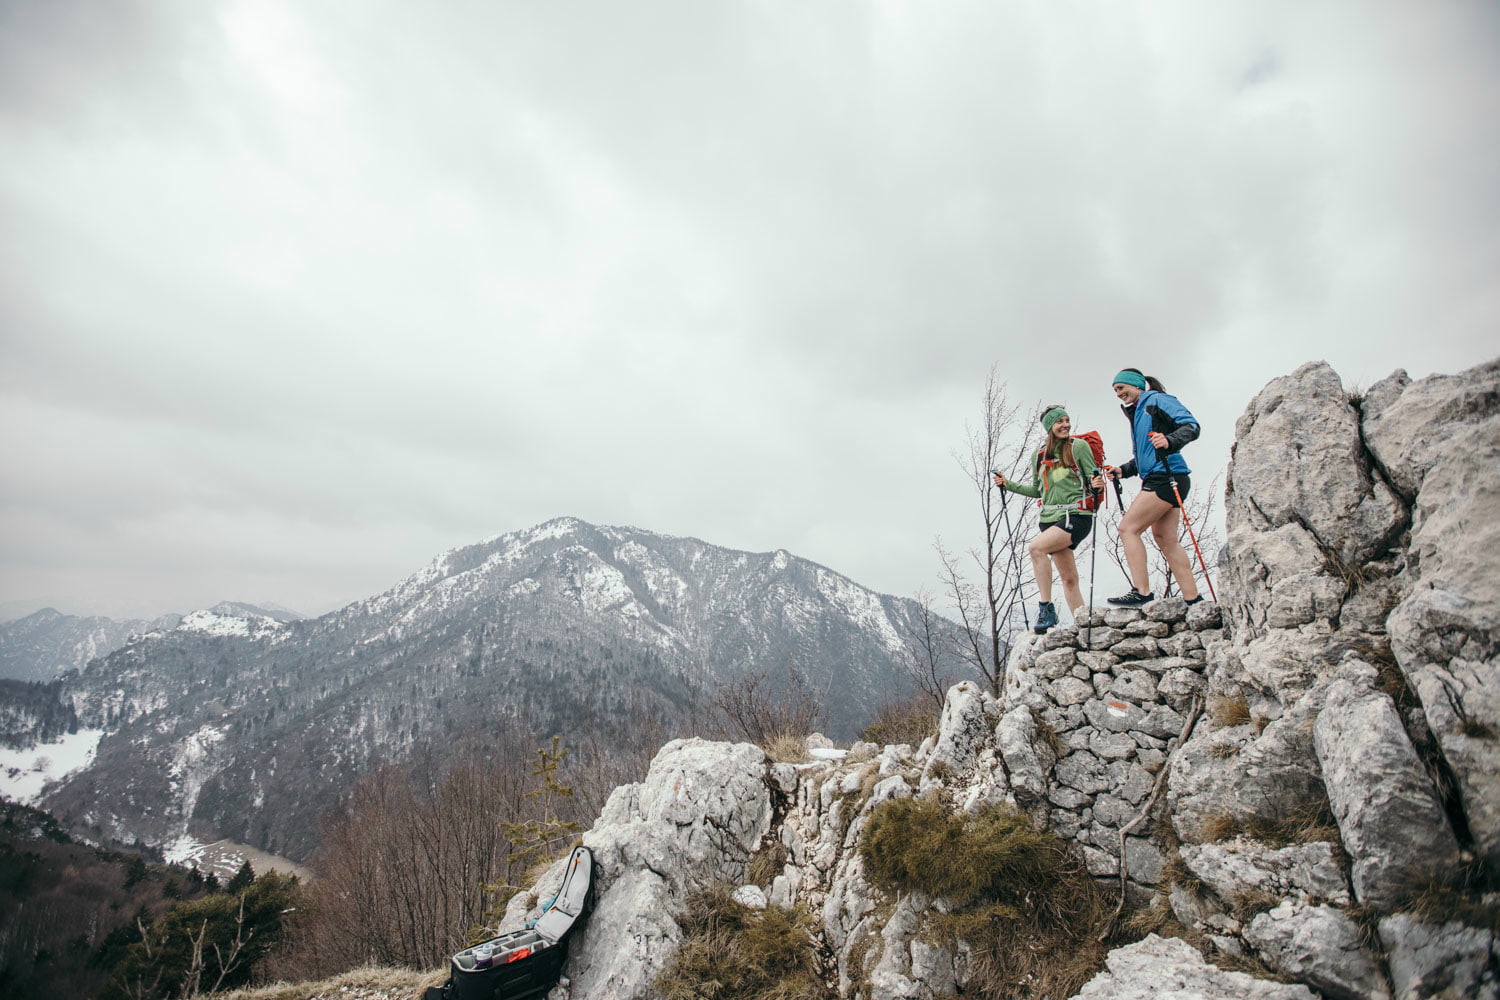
(293, 298)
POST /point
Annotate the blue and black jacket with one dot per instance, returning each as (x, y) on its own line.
(1158, 412)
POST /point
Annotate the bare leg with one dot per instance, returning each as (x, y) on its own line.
(1145, 510)
(1181, 564)
(1041, 549)
(1067, 575)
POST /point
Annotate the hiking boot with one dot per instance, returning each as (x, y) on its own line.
(1132, 599)
(1194, 600)
(1046, 616)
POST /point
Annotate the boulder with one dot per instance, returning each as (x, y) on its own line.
(1441, 959)
(1299, 458)
(1243, 866)
(1159, 968)
(1389, 816)
(1274, 776)
(693, 822)
(1321, 946)
(966, 727)
(1439, 441)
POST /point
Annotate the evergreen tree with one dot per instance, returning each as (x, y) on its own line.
(242, 878)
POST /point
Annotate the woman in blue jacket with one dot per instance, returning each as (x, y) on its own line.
(1159, 427)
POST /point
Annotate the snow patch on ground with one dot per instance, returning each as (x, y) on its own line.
(24, 773)
(209, 623)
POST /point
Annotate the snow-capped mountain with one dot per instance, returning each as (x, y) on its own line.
(48, 643)
(239, 725)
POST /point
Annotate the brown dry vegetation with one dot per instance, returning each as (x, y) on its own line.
(1025, 907)
(731, 952)
(365, 982)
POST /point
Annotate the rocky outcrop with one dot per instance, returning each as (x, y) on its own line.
(701, 812)
(1306, 776)
(1361, 609)
(1170, 969)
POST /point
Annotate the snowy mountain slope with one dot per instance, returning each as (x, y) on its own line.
(46, 644)
(565, 627)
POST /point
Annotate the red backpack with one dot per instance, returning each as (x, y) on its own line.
(1091, 497)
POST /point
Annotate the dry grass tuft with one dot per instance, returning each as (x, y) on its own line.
(1224, 750)
(786, 748)
(731, 952)
(395, 982)
(1151, 919)
(1048, 735)
(767, 863)
(1228, 711)
(1176, 872)
(1218, 828)
(901, 722)
(1025, 907)
(1475, 729)
(1245, 905)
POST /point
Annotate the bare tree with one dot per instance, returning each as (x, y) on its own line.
(759, 711)
(992, 607)
(929, 647)
(1201, 506)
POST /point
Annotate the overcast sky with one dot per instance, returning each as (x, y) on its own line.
(295, 296)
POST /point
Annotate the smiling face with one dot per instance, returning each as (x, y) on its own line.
(1062, 429)
(1127, 394)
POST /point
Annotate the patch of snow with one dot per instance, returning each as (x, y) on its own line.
(25, 773)
(210, 623)
(827, 753)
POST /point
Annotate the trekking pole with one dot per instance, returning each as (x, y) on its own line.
(1010, 538)
(1189, 525)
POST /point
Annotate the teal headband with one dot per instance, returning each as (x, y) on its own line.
(1052, 416)
(1130, 378)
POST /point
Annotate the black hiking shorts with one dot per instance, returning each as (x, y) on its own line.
(1077, 526)
(1160, 483)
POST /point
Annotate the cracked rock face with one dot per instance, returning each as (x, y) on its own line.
(1389, 815)
(1321, 946)
(694, 821)
(1361, 553)
(1439, 439)
(1160, 968)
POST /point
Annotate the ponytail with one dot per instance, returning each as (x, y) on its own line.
(1152, 381)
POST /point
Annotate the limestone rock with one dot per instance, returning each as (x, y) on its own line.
(1242, 865)
(1274, 775)
(1299, 458)
(1027, 759)
(1159, 968)
(1389, 816)
(1321, 946)
(1439, 441)
(1441, 960)
(965, 728)
(693, 822)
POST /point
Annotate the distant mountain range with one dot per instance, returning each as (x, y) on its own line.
(234, 723)
(46, 644)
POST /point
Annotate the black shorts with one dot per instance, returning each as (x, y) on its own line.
(1160, 483)
(1076, 525)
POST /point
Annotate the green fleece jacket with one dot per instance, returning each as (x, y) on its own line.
(1062, 488)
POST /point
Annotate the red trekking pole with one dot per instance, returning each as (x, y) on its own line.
(1189, 525)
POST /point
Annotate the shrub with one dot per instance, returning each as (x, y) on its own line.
(1025, 907)
(901, 722)
(731, 952)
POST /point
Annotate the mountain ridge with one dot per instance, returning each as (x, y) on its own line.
(561, 627)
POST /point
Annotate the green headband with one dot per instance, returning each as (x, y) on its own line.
(1052, 416)
(1130, 378)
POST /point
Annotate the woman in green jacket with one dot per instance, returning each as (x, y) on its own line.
(1060, 474)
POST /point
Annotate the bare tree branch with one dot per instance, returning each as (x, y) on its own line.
(993, 609)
